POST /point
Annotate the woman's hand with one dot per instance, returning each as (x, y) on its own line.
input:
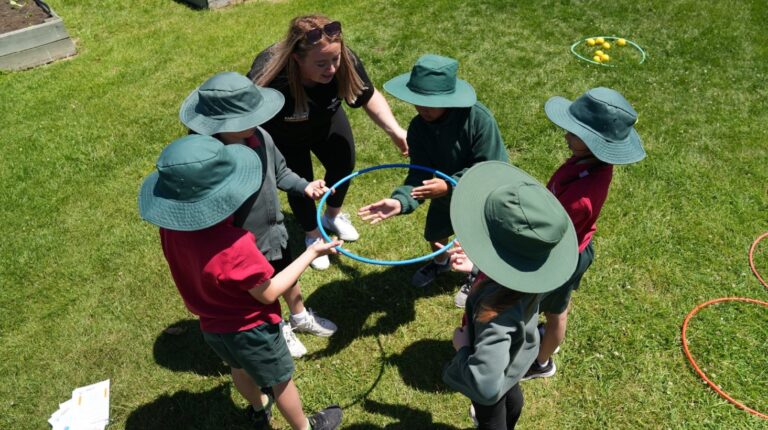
(432, 189)
(400, 139)
(380, 210)
(325, 248)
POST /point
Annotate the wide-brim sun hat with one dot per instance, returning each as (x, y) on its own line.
(513, 229)
(604, 120)
(199, 182)
(432, 82)
(229, 102)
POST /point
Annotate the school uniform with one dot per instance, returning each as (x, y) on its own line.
(582, 189)
(460, 139)
(213, 269)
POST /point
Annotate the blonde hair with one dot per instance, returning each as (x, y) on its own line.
(350, 84)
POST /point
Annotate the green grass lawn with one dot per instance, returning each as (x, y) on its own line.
(86, 293)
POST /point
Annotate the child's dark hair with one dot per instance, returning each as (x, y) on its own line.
(491, 306)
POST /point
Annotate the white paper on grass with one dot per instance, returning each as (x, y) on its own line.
(88, 409)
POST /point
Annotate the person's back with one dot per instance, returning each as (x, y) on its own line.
(221, 274)
(213, 270)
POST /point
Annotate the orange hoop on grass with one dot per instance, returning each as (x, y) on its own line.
(752, 260)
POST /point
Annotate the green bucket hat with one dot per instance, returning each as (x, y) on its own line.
(433, 83)
(229, 102)
(199, 182)
(604, 120)
(513, 229)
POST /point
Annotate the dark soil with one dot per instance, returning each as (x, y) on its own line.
(15, 18)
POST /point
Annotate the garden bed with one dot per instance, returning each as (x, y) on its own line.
(31, 35)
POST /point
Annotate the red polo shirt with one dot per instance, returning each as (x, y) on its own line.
(213, 270)
(582, 189)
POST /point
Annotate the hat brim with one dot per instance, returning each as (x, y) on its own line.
(272, 102)
(510, 270)
(627, 151)
(464, 96)
(214, 208)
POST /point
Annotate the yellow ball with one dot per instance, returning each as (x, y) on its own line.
(621, 42)
(597, 58)
(605, 57)
(591, 42)
(606, 45)
(599, 40)
(599, 53)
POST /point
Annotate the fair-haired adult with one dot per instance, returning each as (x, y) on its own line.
(316, 71)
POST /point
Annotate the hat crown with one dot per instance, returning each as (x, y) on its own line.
(192, 168)
(606, 112)
(433, 74)
(228, 95)
(523, 219)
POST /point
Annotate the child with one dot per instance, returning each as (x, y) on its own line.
(522, 242)
(220, 273)
(451, 133)
(600, 132)
(230, 107)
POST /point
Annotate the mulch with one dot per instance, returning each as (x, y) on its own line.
(15, 18)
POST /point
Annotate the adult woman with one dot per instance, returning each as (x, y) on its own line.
(315, 71)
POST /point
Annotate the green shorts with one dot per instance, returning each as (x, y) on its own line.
(438, 225)
(557, 301)
(261, 351)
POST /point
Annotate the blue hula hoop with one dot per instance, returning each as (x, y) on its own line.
(354, 256)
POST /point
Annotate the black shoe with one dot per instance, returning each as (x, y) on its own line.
(327, 419)
(260, 419)
(540, 371)
(428, 273)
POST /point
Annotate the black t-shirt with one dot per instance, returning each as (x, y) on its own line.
(286, 127)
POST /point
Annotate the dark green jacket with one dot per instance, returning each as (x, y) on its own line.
(460, 139)
(500, 351)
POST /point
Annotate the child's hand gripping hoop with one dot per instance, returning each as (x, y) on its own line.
(354, 256)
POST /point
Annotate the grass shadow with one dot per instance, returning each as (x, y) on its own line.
(352, 301)
(186, 351)
(421, 364)
(408, 418)
(212, 409)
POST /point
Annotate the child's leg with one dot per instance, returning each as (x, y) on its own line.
(515, 401)
(554, 333)
(502, 415)
(249, 389)
(289, 403)
(442, 258)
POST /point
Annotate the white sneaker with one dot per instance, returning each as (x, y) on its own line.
(473, 416)
(320, 263)
(342, 226)
(314, 324)
(296, 348)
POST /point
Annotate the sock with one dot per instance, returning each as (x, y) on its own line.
(300, 317)
(542, 364)
(264, 403)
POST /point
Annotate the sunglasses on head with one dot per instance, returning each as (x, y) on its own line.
(331, 29)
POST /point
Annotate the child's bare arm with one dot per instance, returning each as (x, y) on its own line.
(269, 291)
